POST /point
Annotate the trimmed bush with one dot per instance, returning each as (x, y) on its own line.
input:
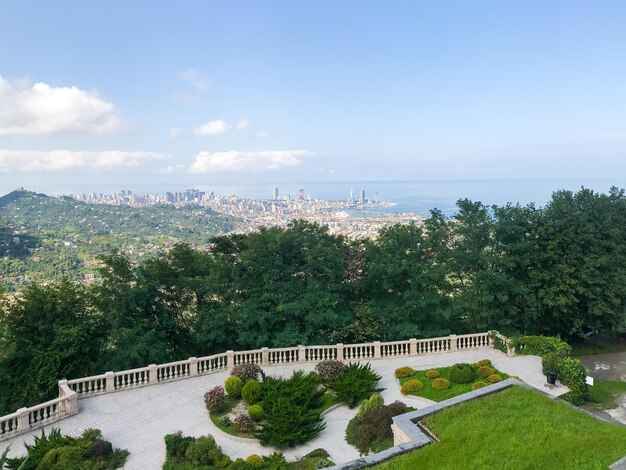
(441, 384)
(374, 402)
(203, 451)
(251, 392)
(477, 385)
(244, 423)
(404, 372)
(247, 372)
(375, 426)
(255, 460)
(256, 412)
(215, 399)
(432, 373)
(485, 371)
(494, 378)
(330, 371)
(357, 384)
(485, 362)
(233, 386)
(461, 373)
(411, 386)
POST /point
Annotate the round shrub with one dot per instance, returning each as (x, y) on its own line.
(477, 385)
(411, 386)
(485, 371)
(215, 399)
(243, 423)
(247, 372)
(100, 448)
(233, 386)
(493, 378)
(441, 384)
(374, 402)
(331, 370)
(256, 412)
(254, 460)
(485, 362)
(203, 451)
(461, 373)
(404, 372)
(251, 392)
(432, 373)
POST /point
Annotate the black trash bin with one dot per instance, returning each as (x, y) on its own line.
(551, 378)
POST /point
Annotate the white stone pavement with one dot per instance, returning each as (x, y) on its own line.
(137, 419)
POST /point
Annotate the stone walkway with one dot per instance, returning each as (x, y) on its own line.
(137, 419)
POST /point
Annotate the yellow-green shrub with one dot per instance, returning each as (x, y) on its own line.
(493, 378)
(404, 372)
(485, 371)
(432, 373)
(485, 362)
(441, 384)
(477, 385)
(411, 386)
(254, 460)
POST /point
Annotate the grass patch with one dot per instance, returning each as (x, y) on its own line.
(516, 429)
(603, 394)
(311, 461)
(231, 403)
(440, 395)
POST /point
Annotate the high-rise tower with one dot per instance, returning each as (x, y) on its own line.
(275, 193)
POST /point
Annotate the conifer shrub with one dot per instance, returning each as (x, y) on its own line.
(411, 386)
(485, 362)
(432, 373)
(330, 370)
(251, 392)
(477, 385)
(461, 373)
(485, 371)
(494, 378)
(215, 399)
(356, 384)
(233, 386)
(256, 412)
(374, 402)
(404, 372)
(247, 371)
(440, 384)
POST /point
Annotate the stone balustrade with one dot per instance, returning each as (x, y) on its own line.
(26, 419)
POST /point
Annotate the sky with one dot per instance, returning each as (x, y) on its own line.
(252, 92)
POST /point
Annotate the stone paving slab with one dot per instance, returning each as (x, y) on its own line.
(137, 419)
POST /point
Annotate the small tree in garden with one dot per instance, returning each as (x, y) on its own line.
(215, 399)
(330, 370)
(247, 372)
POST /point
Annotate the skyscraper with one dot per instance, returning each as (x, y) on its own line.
(362, 197)
(351, 195)
(275, 193)
(301, 194)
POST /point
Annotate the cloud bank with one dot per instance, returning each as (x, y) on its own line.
(28, 161)
(44, 109)
(217, 162)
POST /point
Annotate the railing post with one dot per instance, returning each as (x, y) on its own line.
(377, 352)
(339, 347)
(301, 353)
(110, 381)
(230, 358)
(413, 347)
(153, 374)
(453, 343)
(265, 357)
(193, 366)
(22, 420)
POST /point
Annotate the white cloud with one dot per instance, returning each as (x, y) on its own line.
(215, 162)
(242, 124)
(212, 128)
(263, 134)
(197, 80)
(174, 133)
(44, 109)
(26, 161)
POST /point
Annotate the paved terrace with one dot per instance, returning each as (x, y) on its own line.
(137, 419)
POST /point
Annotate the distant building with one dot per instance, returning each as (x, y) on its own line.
(351, 195)
(301, 195)
(362, 197)
(275, 193)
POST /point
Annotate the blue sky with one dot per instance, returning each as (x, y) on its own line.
(182, 93)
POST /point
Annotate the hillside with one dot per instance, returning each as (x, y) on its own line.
(46, 238)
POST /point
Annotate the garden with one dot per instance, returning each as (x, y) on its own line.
(446, 382)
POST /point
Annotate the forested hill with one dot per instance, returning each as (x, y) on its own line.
(48, 238)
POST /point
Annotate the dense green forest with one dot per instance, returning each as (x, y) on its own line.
(557, 270)
(43, 238)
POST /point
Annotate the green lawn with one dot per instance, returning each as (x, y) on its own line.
(516, 429)
(603, 394)
(453, 391)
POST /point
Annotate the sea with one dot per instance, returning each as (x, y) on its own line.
(417, 197)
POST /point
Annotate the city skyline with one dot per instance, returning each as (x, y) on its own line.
(220, 92)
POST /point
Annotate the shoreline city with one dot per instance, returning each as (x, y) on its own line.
(354, 217)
